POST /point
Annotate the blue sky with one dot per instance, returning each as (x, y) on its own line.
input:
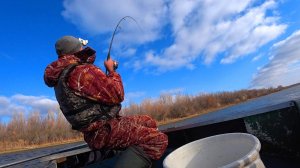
(188, 47)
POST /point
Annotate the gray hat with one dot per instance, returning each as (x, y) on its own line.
(67, 45)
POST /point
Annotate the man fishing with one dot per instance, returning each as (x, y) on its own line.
(91, 100)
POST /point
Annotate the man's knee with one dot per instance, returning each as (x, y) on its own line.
(150, 122)
(163, 138)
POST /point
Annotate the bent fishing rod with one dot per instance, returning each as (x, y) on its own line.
(112, 39)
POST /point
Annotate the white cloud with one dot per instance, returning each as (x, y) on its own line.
(204, 29)
(3, 101)
(172, 91)
(133, 97)
(125, 52)
(284, 67)
(99, 16)
(256, 58)
(26, 104)
(135, 94)
(234, 28)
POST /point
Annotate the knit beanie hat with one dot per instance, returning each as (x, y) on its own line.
(67, 45)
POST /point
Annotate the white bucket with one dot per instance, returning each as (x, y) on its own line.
(232, 150)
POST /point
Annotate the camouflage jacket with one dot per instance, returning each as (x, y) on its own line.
(84, 93)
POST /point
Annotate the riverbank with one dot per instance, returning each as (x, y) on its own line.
(17, 147)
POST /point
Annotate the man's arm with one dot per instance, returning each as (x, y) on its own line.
(89, 81)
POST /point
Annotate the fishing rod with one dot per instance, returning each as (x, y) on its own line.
(112, 39)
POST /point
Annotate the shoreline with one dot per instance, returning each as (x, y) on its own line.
(45, 145)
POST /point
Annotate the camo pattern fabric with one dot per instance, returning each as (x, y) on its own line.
(87, 80)
(123, 132)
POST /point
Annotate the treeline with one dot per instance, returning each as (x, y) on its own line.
(35, 130)
(167, 107)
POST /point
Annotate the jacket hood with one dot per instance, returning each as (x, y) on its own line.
(53, 70)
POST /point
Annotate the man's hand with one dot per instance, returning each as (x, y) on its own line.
(109, 65)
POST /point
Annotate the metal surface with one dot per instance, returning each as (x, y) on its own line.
(70, 152)
(31, 157)
(279, 129)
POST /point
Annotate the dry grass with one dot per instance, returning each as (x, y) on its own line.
(35, 131)
(9, 147)
(169, 108)
(26, 133)
(168, 121)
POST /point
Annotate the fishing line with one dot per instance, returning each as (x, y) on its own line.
(113, 36)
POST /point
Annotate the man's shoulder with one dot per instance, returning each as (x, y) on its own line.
(87, 68)
(84, 66)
